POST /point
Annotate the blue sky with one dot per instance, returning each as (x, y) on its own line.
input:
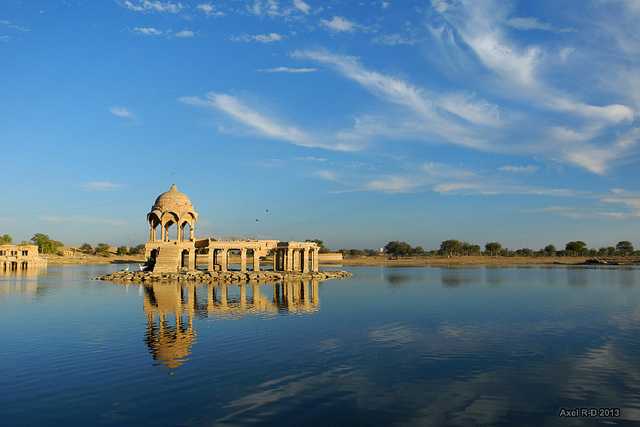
(353, 122)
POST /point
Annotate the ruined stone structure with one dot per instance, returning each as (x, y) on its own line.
(20, 257)
(170, 251)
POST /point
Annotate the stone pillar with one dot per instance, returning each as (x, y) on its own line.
(316, 260)
(256, 260)
(289, 260)
(275, 260)
(243, 260)
(211, 260)
(296, 260)
(224, 259)
(305, 261)
(192, 259)
(192, 232)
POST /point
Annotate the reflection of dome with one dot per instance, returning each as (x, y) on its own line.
(173, 200)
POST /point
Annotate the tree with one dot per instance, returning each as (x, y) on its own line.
(5, 239)
(524, 252)
(451, 247)
(576, 248)
(102, 249)
(418, 250)
(320, 243)
(136, 250)
(624, 248)
(45, 244)
(122, 250)
(611, 251)
(397, 248)
(86, 248)
(470, 249)
(493, 248)
(549, 250)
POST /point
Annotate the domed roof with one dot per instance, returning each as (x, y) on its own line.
(173, 200)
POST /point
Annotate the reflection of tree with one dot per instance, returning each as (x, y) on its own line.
(397, 279)
(451, 277)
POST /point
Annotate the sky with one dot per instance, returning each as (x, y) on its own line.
(355, 122)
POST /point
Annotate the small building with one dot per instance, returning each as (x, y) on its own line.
(172, 245)
(20, 257)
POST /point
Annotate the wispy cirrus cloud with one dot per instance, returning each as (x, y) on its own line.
(259, 38)
(530, 23)
(185, 34)
(12, 26)
(302, 6)
(520, 169)
(290, 70)
(148, 31)
(209, 9)
(264, 125)
(122, 112)
(152, 6)
(339, 24)
(101, 186)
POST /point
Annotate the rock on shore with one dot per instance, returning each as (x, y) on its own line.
(219, 276)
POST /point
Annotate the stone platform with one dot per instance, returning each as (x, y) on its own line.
(220, 276)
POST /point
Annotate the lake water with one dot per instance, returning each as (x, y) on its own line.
(403, 346)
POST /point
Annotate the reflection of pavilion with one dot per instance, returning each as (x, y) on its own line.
(171, 343)
(21, 282)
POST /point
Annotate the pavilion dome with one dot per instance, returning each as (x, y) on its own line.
(173, 201)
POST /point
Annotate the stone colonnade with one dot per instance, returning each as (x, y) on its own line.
(296, 259)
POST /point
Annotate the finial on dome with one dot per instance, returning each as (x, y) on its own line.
(173, 188)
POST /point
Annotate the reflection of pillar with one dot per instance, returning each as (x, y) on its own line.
(211, 298)
(276, 293)
(305, 293)
(243, 297)
(315, 300)
(289, 293)
(255, 293)
(224, 259)
(223, 295)
(256, 260)
(305, 261)
(243, 260)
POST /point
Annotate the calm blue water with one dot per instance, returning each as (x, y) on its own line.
(404, 346)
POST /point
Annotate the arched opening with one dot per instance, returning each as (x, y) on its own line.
(185, 231)
(170, 231)
(154, 222)
(184, 259)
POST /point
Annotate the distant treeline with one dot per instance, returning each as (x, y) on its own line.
(47, 245)
(461, 248)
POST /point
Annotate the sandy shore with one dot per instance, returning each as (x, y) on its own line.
(476, 260)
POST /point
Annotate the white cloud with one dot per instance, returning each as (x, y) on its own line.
(262, 124)
(152, 6)
(185, 34)
(518, 168)
(208, 9)
(265, 7)
(392, 184)
(340, 24)
(598, 159)
(530, 23)
(327, 175)
(479, 112)
(441, 170)
(302, 6)
(395, 39)
(292, 70)
(100, 186)
(12, 26)
(148, 31)
(311, 159)
(400, 92)
(260, 38)
(121, 112)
